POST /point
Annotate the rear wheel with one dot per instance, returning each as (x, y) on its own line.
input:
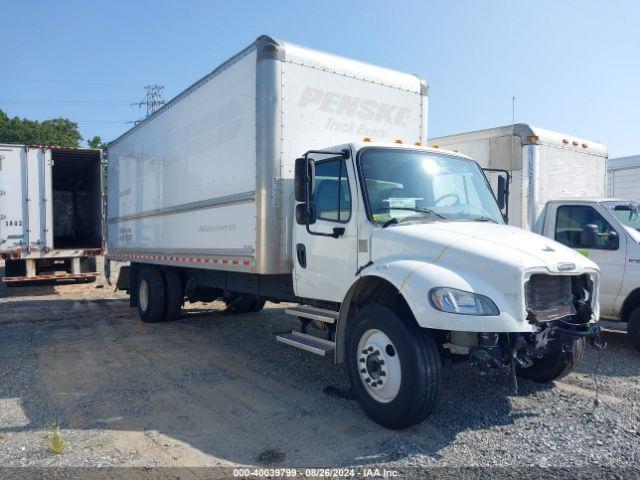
(633, 328)
(150, 295)
(173, 294)
(555, 365)
(393, 365)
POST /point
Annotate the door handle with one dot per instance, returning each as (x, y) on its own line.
(301, 253)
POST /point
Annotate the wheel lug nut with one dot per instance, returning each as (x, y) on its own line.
(364, 352)
(383, 373)
(377, 352)
(381, 362)
(364, 370)
(368, 380)
(371, 349)
(362, 360)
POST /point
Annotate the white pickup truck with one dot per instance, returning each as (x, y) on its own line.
(294, 175)
(557, 188)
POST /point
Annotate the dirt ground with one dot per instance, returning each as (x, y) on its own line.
(212, 389)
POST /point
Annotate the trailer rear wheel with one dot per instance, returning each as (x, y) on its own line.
(555, 365)
(393, 365)
(150, 295)
(173, 294)
(633, 328)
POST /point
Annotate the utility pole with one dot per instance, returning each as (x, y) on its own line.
(152, 100)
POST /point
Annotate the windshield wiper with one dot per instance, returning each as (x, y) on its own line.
(420, 210)
(390, 222)
(484, 219)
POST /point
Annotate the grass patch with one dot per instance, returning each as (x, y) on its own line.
(57, 442)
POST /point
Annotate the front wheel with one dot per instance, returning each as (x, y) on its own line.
(555, 365)
(393, 365)
(633, 328)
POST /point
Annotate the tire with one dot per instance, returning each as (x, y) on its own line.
(554, 365)
(241, 303)
(173, 294)
(410, 371)
(633, 328)
(150, 295)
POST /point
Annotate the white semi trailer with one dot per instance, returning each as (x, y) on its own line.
(623, 178)
(558, 188)
(50, 212)
(293, 175)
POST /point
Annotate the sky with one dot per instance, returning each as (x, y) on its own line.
(573, 65)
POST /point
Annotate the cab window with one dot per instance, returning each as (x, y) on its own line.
(332, 194)
(581, 226)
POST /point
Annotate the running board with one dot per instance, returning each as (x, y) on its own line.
(313, 313)
(312, 344)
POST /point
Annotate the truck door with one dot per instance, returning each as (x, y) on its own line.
(584, 228)
(325, 265)
(12, 199)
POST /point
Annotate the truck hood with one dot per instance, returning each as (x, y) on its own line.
(476, 245)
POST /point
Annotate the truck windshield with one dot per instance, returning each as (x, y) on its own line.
(415, 186)
(627, 214)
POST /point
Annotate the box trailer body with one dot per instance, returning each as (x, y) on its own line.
(208, 179)
(558, 189)
(50, 212)
(293, 175)
(542, 164)
(623, 178)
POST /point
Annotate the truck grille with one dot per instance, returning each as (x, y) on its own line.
(550, 297)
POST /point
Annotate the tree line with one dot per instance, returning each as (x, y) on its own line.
(60, 132)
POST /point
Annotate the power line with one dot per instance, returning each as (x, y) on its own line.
(65, 102)
(69, 82)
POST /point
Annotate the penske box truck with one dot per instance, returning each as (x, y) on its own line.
(50, 212)
(292, 175)
(558, 187)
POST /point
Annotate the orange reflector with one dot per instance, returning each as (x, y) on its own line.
(366, 139)
(533, 138)
(435, 146)
(584, 145)
(565, 141)
(398, 141)
(575, 143)
(417, 144)
(456, 151)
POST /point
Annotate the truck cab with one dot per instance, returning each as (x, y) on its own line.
(409, 246)
(606, 231)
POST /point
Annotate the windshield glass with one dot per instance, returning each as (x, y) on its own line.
(405, 185)
(627, 214)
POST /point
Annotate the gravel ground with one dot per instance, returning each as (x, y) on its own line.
(212, 389)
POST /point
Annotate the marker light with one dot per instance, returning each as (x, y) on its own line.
(417, 144)
(398, 141)
(366, 139)
(435, 146)
(452, 300)
(533, 138)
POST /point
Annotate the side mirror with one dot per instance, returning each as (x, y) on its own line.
(613, 241)
(503, 192)
(304, 179)
(304, 216)
(589, 236)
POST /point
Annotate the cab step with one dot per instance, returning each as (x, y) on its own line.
(312, 344)
(313, 313)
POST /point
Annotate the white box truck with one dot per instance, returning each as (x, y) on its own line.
(558, 188)
(623, 178)
(50, 213)
(293, 175)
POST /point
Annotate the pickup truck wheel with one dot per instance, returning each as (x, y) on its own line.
(633, 328)
(239, 303)
(393, 365)
(150, 293)
(173, 294)
(554, 365)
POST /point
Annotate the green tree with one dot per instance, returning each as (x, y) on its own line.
(60, 132)
(96, 142)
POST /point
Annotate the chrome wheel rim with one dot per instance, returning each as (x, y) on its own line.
(143, 294)
(379, 366)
